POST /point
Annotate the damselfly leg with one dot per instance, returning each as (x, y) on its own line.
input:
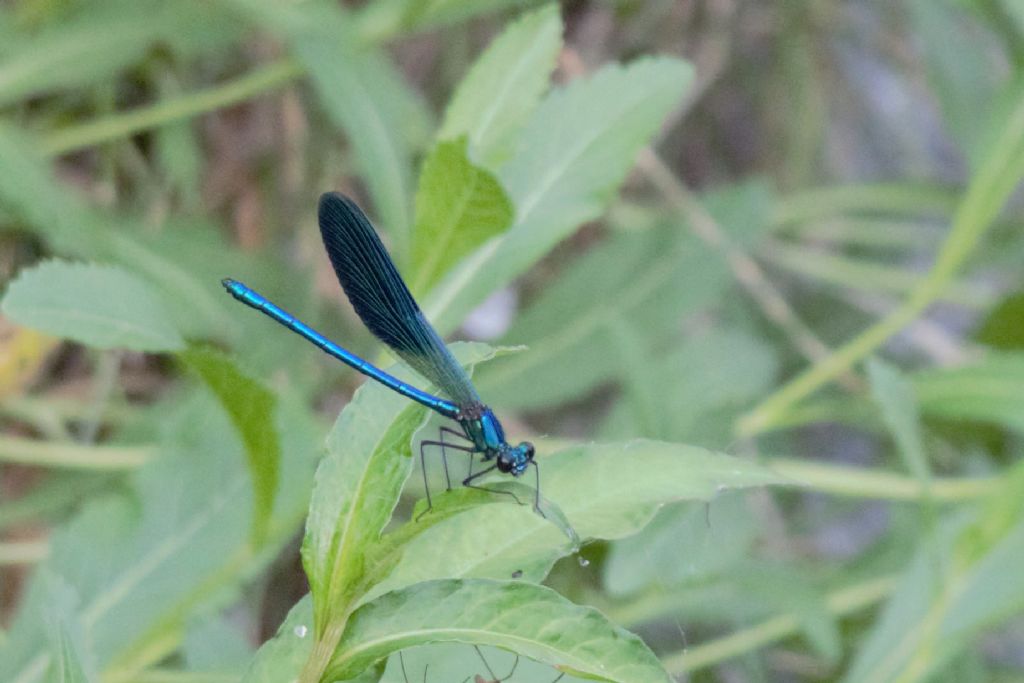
(442, 444)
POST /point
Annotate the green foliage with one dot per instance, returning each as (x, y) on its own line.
(459, 206)
(499, 93)
(783, 297)
(542, 624)
(576, 148)
(988, 390)
(250, 406)
(349, 563)
(103, 306)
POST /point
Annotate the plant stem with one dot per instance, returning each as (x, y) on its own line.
(186, 106)
(839, 603)
(818, 203)
(50, 454)
(866, 276)
(988, 192)
(859, 482)
(23, 552)
(320, 657)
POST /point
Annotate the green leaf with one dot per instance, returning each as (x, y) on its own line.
(894, 396)
(79, 52)
(576, 149)
(459, 206)
(70, 226)
(502, 88)
(990, 390)
(460, 662)
(173, 550)
(531, 620)
(217, 644)
(654, 556)
(607, 491)
(1003, 326)
(647, 281)
(281, 657)
(692, 393)
(76, 54)
(251, 407)
(947, 596)
(101, 306)
(357, 487)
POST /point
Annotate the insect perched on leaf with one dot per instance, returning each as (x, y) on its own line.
(385, 305)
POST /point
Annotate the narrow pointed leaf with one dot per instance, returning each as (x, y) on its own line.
(501, 90)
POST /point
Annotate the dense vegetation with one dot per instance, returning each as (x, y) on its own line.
(747, 273)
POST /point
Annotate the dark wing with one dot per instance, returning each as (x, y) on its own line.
(382, 300)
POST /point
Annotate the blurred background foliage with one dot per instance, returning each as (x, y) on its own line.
(815, 261)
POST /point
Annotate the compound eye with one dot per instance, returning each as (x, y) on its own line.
(527, 448)
(504, 464)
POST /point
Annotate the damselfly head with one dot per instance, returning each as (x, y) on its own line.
(515, 460)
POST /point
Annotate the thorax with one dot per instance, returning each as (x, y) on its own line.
(483, 429)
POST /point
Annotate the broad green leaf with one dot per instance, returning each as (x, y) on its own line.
(787, 590)
(681, 545)
(990, 390)
(34, 197)
(894, 396)
(101, 306)
(176, 549)
(218, 645)
(459, 662)
(693, 393)
(647, 281)
(251, 407)
(532, 620)
(357, 487)
(459, 206)
(577, 147)
(501, 90)
(361, 92)
(607, 491)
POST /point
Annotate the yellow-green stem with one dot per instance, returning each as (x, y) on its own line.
(167, 111)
